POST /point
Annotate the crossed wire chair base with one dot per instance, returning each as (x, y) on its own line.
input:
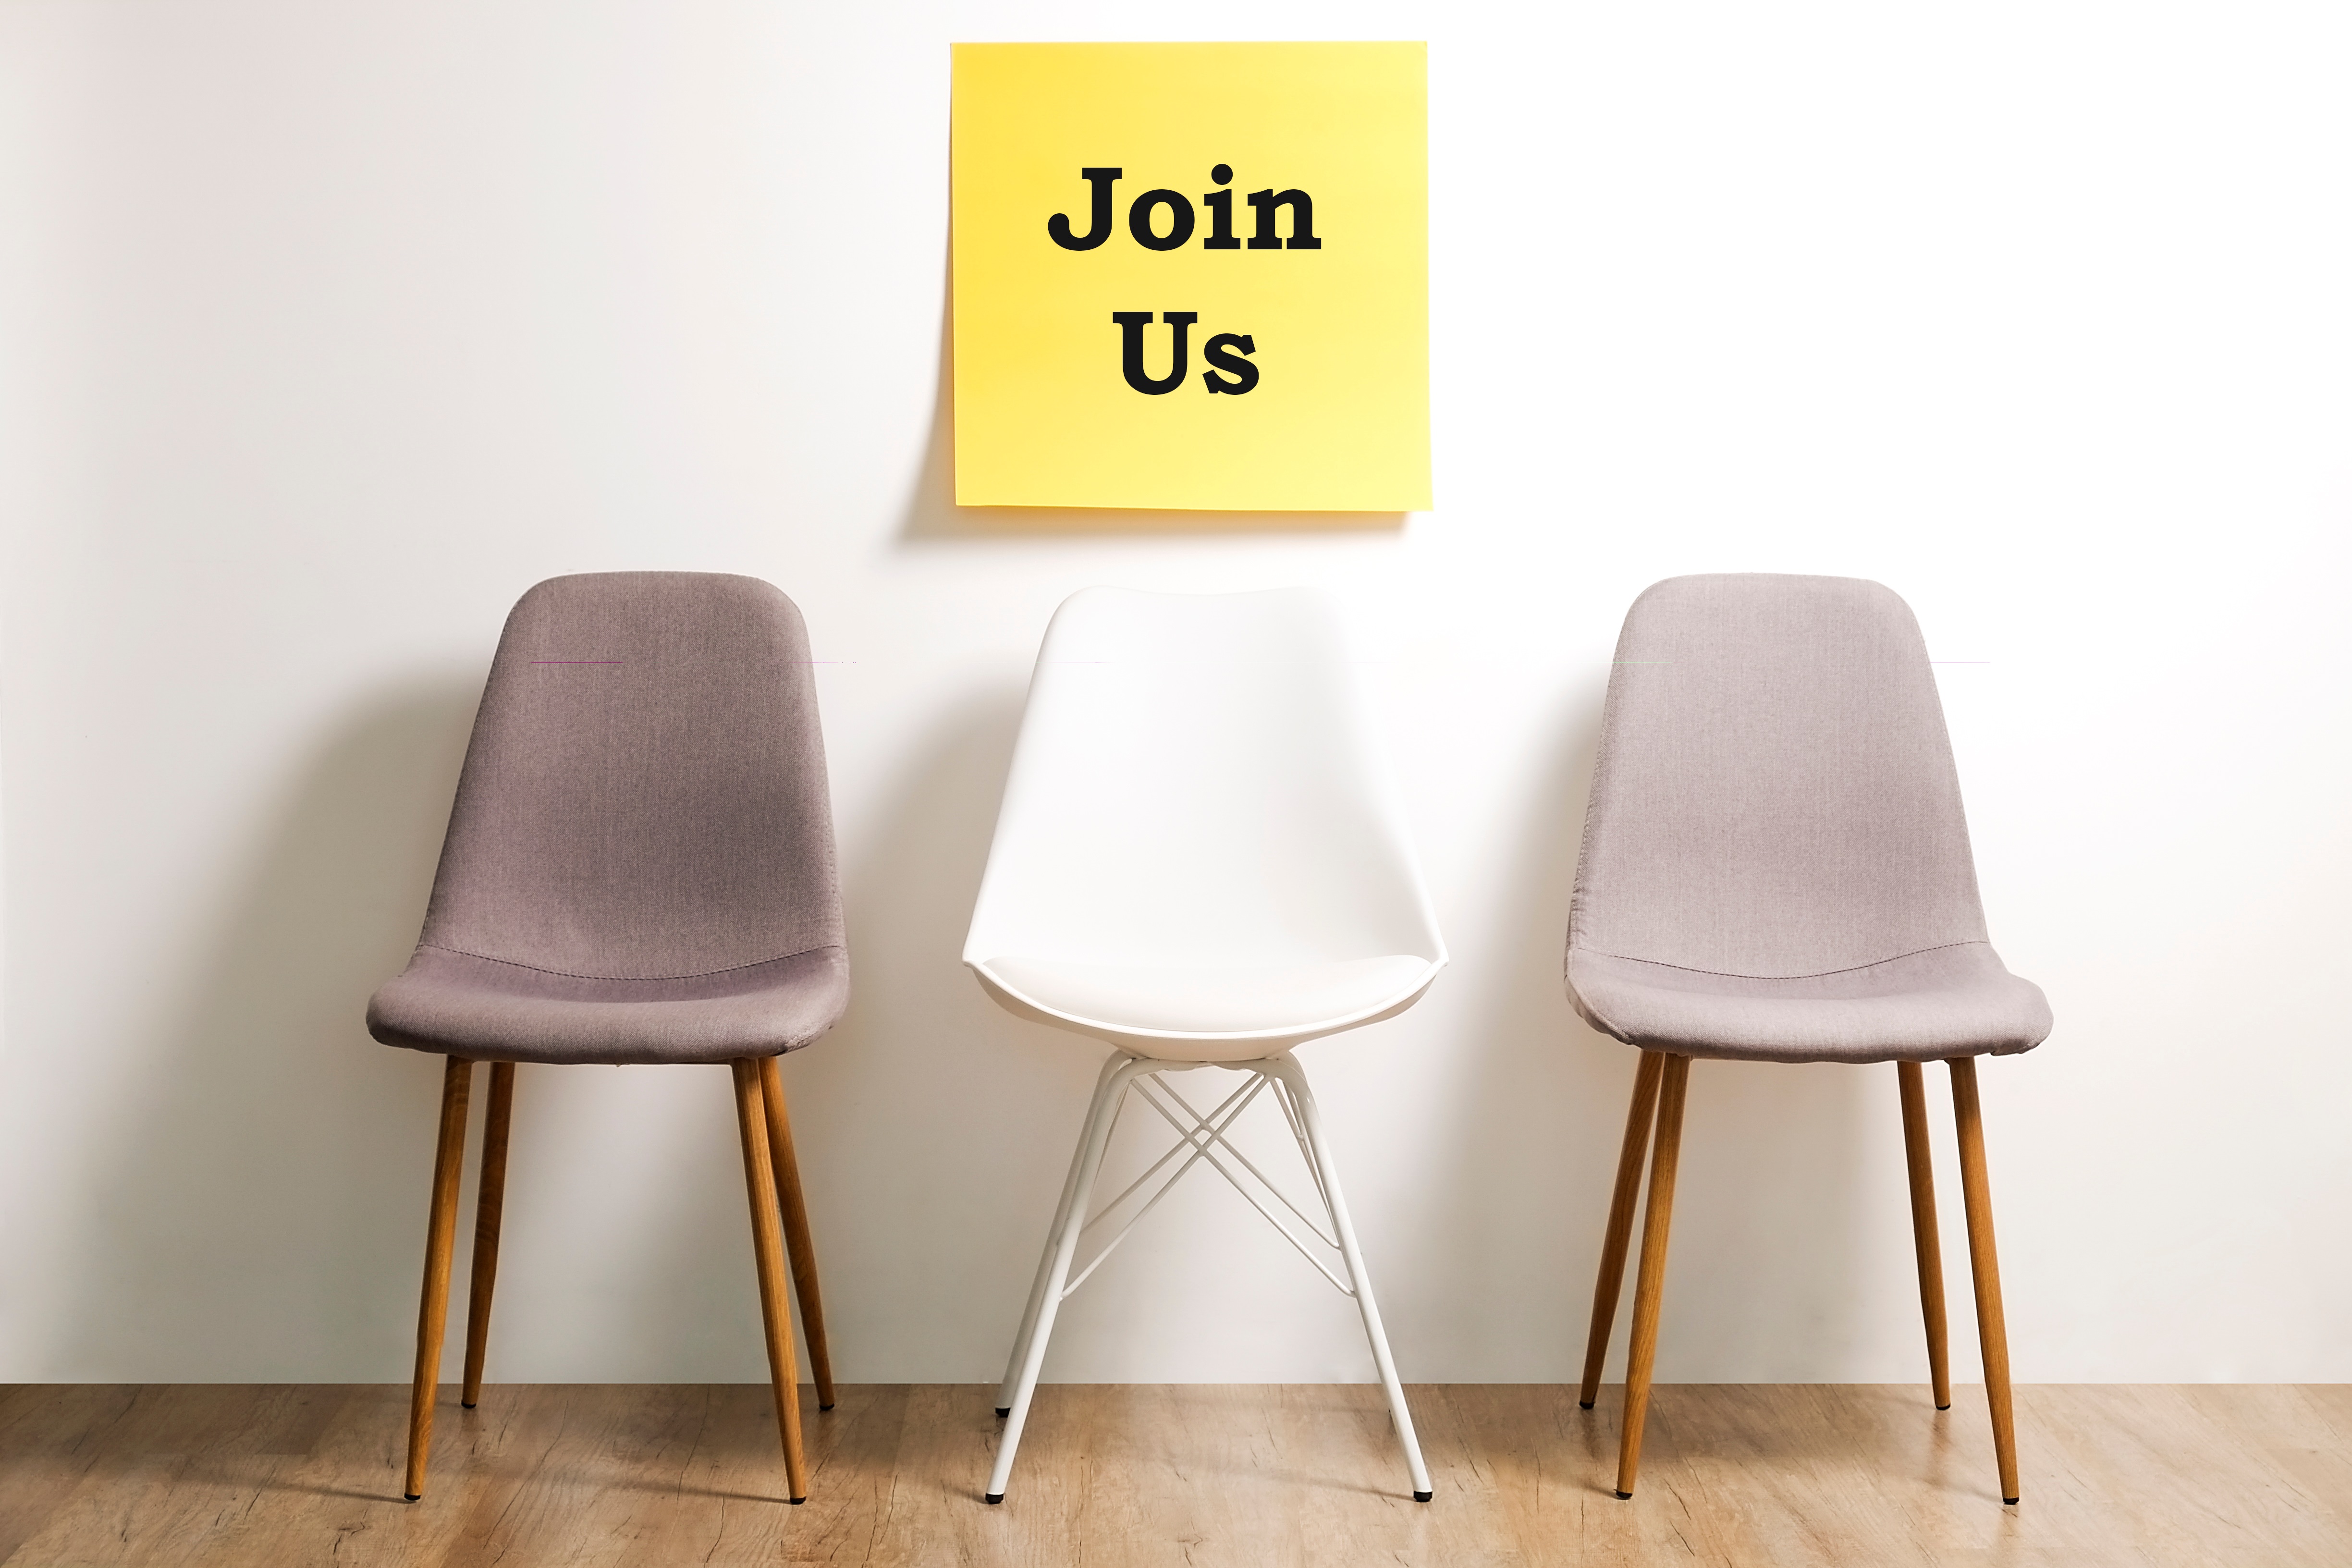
(1201, 1140)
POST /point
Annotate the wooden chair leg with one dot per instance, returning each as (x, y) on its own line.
(1611, 1283)
(489, 1205)
(768, 1252)
(1993, 1328)
(1923, 1229)
(440, 1238)
(1649, 1284)
(798, 1248)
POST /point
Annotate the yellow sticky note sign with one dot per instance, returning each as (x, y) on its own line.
(1191, 276)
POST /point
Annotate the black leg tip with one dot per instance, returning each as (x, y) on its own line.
(1624, 1497)
(1004, 1410)
(1422, 1497)
(462, 1405)
(796, 1502)
(2009, 1501)
(413, 1497)
(825, 1407)
(1584, 1404)
(1943, 1407)
(994, 1497)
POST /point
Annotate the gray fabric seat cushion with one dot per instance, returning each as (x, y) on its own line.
(458, 1005)
(1775, 862)
(639, 866)
(1923, 1007)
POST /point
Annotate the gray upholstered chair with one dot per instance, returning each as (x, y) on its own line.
(1776, 868)
(639, 868)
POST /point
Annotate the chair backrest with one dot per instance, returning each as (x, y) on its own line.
(1774, 794)
(1196, 783)
(644, 793)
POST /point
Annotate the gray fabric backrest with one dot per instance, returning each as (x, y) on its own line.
(645, 793)
(1774, 794)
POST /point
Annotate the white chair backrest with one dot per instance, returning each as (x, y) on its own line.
(1196, 784)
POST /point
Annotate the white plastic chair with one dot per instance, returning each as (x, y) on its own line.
(1201, 860)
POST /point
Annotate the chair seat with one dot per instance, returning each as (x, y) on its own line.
(461, 1005)
(1240, 1002)
(1954, 1001)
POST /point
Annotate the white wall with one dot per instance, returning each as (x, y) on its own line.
(325, 330)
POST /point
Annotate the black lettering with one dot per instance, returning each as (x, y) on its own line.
(1218, 351)
(1138, 220)
(1221, 212)
(1302, 220)
(1130, 349)
(1059, 225)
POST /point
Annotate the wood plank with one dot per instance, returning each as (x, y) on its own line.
(50, 1437)
(1198, 1476)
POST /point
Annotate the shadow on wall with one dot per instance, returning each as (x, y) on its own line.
(1766, 1211)
(922, 1103)
(262, 1219)
(266, 1218)
(932, 513)
(919, 1115)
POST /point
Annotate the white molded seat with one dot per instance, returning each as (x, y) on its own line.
(1200, 859)
(1199, 856)
(1203, 1007)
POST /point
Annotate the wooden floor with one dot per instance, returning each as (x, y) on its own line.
(1781, 1476)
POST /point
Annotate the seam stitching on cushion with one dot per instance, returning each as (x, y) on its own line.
(1818, 974)
(574, 974)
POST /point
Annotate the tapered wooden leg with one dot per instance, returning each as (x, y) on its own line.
(489, 1203)
(1611, 1283)
(1923, 1229)
(797, 1245)
(768, 1252)
(1649, 1284)
(1993, 1328)
(440, 1237)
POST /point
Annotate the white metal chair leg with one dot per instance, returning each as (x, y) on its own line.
(1294, 1077)
(1061, 1248)
(1053, 1240)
